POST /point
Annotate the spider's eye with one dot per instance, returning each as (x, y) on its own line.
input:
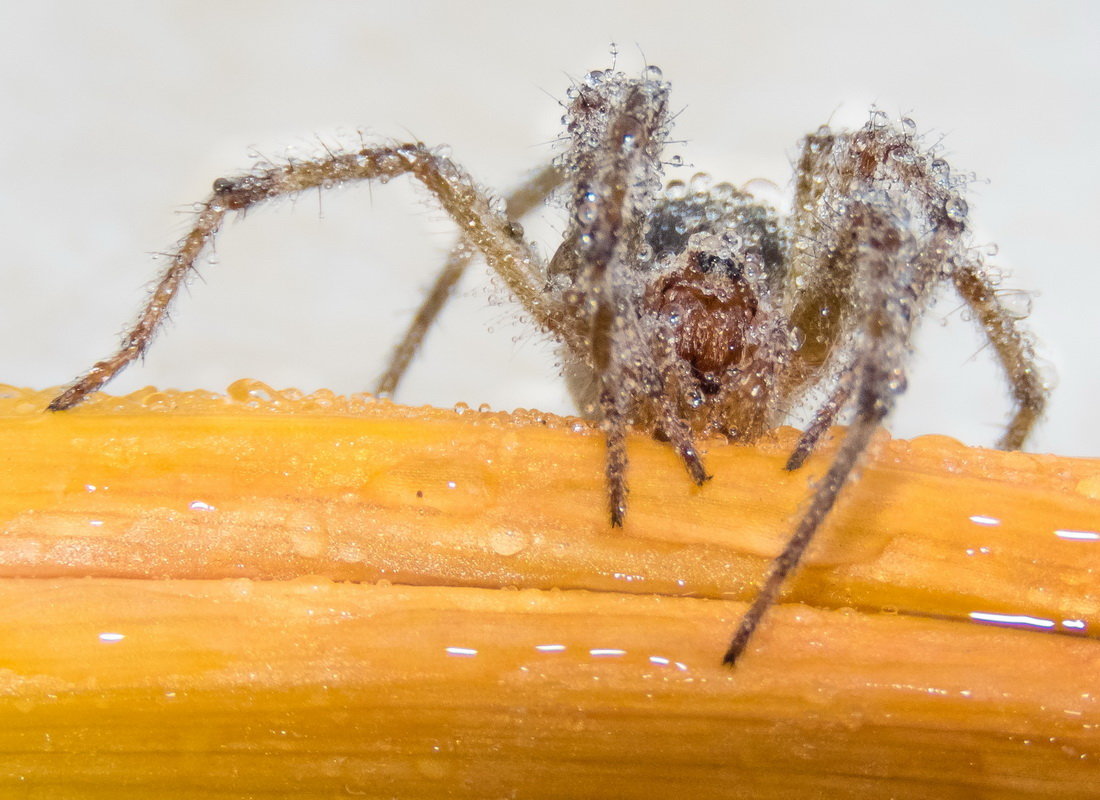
(709, 262)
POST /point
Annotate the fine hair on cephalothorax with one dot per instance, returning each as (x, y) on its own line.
(690, 310)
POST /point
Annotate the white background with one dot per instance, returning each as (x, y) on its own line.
(118, 115)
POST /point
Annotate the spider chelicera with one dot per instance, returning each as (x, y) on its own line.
(689, 311)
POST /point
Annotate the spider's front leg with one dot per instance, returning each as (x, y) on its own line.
(895, 271)
(877, 232)
(834, 168)
(617, 127)
(487, 229)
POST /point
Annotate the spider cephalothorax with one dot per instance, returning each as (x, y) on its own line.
(690, 310)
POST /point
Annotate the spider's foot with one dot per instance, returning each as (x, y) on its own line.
(70, 397)
(618, 509)
(738, 643)
(694, 464)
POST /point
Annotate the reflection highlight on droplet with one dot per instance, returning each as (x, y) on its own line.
(1078, 536)
(464, 652)
(665, 662)
(1012, 620)
(606, 652)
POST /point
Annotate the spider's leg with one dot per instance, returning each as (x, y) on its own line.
(488, 230)
(138, 338)
(616, 397)
(440, 292)
(519, 203)
(894, 278)
(1013, 349)
(618, 128)
(614, 427)
(684, 444)
(870, 412)
(824, 418)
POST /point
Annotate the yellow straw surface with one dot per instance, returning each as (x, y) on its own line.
(270, 595)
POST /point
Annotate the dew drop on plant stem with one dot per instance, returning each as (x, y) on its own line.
(507, 542)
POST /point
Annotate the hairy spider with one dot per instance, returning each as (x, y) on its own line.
(690, 311)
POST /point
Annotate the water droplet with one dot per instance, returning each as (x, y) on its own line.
(700, 182)
(726, 192)
(508, 542)
(593, 79)
(158, 401)
(251, 392)
(733, 241)
(896, 382)
(588, 208)
(307, 542)
(956, 209)
(903, 154)
(676, 190)
(652, 73)
(1016, 303)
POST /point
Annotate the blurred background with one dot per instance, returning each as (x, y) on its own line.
(117, 116)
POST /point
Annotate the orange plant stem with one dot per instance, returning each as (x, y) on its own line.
(271, 594)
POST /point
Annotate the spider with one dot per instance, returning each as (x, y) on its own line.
(689, 311)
